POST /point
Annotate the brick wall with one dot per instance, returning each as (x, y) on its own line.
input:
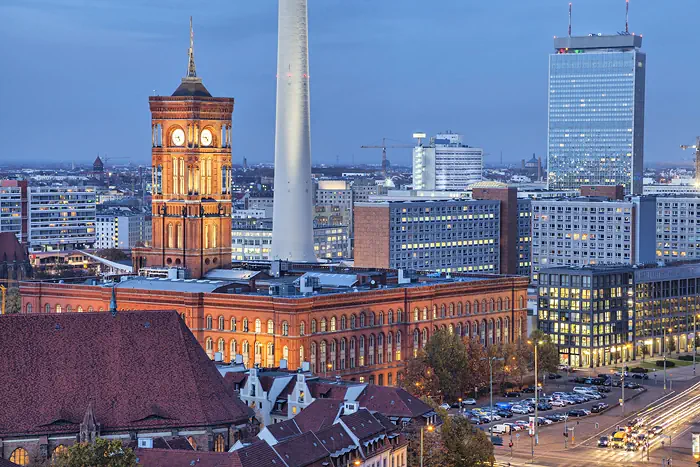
(372, 236)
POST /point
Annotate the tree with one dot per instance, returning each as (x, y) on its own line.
(671, 344)
(476, 374)
(447, 356)
(547, 352)
(13, 301)
(465, 445)
(433, 447)
(419, 378)
(112, 254)
(102, 453)
(645, 350)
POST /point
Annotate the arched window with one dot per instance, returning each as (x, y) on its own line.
(459, 308)
(499, 304)
(179, 235)
(451, 328)
(490, 334)
(285, 328)
(245, 324)
(442, 310)
(333, 322)
(458, 329)
(371, 349)
(416, 340)
(29, 308)
(258, 326)
(209, 322)
(313, 357)
(221, 323)
(343, 323)
(483, 332)
(520, 327)
(313, 326)
(476, 307)
(245, 351)
(434, 311)
(20, 456)
(221, 347)
(69, 309)
(491, 304)
(90, 309)
(389, 345)
(362, 319)
(285, 352)
(415, 314)
(398, 346)
(80, 309)
(219, 443)
(390, 317)
(372, 318)
(343, 349)
(233, 324)
(425, 313)
(302, 328)
(484, 306)
(353, 322)
(362, 350)
(47, 308)
(521, 302)
(324, 325)
(381, 318)
(399, 315)
(192, 442)
(270, 355)
(58, 309)
(380, 349)
(334, 355)
(507, 303)
(233, 349)
(424, 338)
(171, 240)
(301, 353)
(452, 309)
(467, 308)
(505, 329)
(475, 329)
(270, 326)
(353, 351)
(209, 345)
(258, 352)
(498, 330)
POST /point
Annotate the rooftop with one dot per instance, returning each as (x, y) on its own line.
(598, 41)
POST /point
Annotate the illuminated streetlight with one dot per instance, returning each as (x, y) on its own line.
(430, 429)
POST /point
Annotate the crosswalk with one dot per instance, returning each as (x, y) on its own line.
(578, 458)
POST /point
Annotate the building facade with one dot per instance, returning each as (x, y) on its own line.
(678, 227)
(361, 335)
(61, 218)
(604, 314)
(596, 112)
(592, 230)
(191, 160)
(446, 164)
(13, 209)
(122, 229)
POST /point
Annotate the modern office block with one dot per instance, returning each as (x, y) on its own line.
(122, 229)
(446, 163)
(13, 208)
(596, 112)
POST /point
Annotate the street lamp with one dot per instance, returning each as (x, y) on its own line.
(669, 330)
(329, 367)
(537, 398)
(695, 340)
(491, 360)
(431, 428)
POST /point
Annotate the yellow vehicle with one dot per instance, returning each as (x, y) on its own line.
(619, 439)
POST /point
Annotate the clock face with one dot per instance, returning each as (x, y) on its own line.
(206, 137)
(178, 137)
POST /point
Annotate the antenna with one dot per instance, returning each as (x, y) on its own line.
(569, 19)
(627, 16)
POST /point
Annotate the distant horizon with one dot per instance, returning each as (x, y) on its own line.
(84, 71)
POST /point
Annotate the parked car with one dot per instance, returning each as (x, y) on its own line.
(511, 394)
(544, 406)
(604, 389)
(519, 409)
(529, 389)
(578, 413)
(497, 441)
(504, 413)
(554, 376)
(557, 417)
(475, 420)
(501, 428)
(632, 385)
(445, 406)
(603, 442)
(640, 376)
(522, 423)
(469, 402)
(564, 368)
(515, 426)
(599, 407)
(558, 403)
(656, 430)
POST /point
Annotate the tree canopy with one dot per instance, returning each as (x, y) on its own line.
(547, 352)
(102, 453)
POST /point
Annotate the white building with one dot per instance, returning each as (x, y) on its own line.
(122, 229)
(62, 218)
(446, 164)
(11, 210)
(255, 243)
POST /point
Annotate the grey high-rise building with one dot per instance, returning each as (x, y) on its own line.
(596, 112)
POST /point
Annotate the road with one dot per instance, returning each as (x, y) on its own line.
(675, 411)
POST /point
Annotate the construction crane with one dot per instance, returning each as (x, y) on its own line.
(696, 146)
(384, 147)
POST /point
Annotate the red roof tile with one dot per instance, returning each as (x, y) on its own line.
(139, 369)
(392, 402)
(258, 454)
(334, 438)
(175, 458)
(284, 430)
(303, 450)
(319, 414)
(363, 424)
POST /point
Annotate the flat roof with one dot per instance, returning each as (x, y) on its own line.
(595, 41)
(172, 285)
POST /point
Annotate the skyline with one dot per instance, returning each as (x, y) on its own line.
(102, 62)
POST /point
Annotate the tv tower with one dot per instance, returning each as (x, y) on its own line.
(292, 227)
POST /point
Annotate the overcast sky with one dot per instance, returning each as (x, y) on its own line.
(75, 75)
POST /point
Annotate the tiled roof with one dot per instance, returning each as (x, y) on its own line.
(335, 439)
(10, 248)
(319, 414)
(284, 430)
(303, 450)
(6, 463)
(179, 443)
(176, 458)
(327, 389)
(392, 402)
(363, 424)
(258, 454)
(233, 378)
(139, 369)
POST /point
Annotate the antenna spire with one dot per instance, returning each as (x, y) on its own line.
(191, 69)
(627, 16)
(570, 19)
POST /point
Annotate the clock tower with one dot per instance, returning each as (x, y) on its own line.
(191, 184)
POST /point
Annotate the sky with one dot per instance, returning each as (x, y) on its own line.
(75, 75)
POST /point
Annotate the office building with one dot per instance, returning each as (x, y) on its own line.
(592, 230)
(13, 209)
(61, 218)
(596, 112)
(677, 227)
(334, 192)
(605, 314)
(446, 236)
(293, 186)
(122, 229)
(446, 164)
(363, 188)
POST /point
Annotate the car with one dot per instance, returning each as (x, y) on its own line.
(577, 413)
(603, 442)
(599, 407)
(497, 441)
(563, 367)
(511, 394)
(640, 376)
(445, 406)
(501, 429)
(558, 403)
(604, 389)
(544, 406)
(469, 402)
(522, 423)
(632, 385)
(656, 430)
(504, 413)
(529, 389)
(554, 376)
(630, 446)
(518, 409)
(475, 420)
(544, 421)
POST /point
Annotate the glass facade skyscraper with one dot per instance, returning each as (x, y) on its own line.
(596, 112)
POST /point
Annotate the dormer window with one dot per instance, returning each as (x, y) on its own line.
(301, 396)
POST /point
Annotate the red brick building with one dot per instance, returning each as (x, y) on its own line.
(363, 335)
(130, 375)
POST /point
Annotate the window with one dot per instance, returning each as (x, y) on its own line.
(442, 310)
(258, 326)
(362, 319)
(390, 317)
(209, 322)
(20, 456)
(233, 324)
(425, 313)
(47, 308)
(371, 319)
(192, 442)
(245, 324)
(362, 350)
(333, 321)
(353, 322)
(302, 328)
(285, 328)
(398, 346)
(313, 326)
(399, 316)
(221, 347)
(301, 353)
(232, 349)
(90, 309)
(285, 352)
(60, 449)
(381, 318)
(29, 307)
(80, 309)
(324, 325)
(415, 314)
(209, 345)
(270, 326)
(343, 323)
(219, 443)
(434, 311)
(58, 308)
(221, 323)
(245, 350)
